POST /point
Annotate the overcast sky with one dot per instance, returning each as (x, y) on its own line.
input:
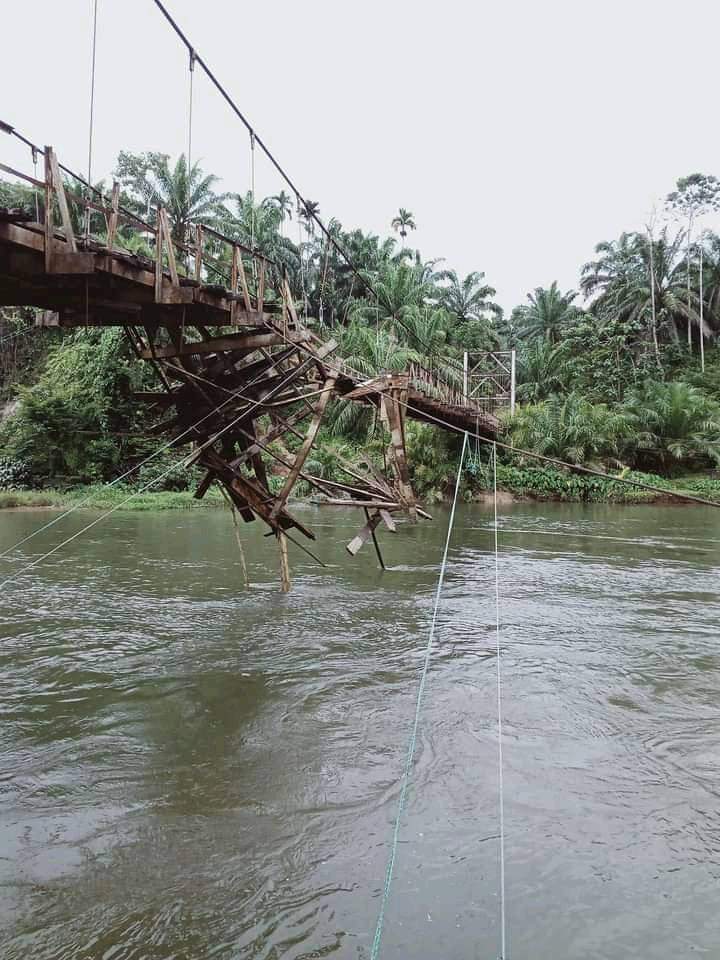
(518, 132)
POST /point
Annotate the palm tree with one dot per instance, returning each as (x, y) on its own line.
(674, 422)
(403, 222)
(308, 212)
(188, 196)
(571, 429)
(540, 370)
(549, 312)
(643, 280)
(283, 202)
(469, 299)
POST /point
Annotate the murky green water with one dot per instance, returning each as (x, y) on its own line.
(193, 770)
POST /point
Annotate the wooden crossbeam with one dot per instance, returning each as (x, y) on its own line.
(231, 341)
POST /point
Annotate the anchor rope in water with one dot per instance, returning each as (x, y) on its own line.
(375, 952)
(498, 661)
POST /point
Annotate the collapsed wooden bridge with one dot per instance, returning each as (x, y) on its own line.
(237, 366)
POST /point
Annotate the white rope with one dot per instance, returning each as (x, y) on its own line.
(498, 659)
(375, 952)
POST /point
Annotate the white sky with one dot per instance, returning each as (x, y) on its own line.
(518, 132)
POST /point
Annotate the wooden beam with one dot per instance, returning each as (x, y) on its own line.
(165, 222)
(113, 221)
(305, 448)
(363, 535)
(232, 341)
(62, 201)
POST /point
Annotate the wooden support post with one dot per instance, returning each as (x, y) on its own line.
(261, 287)
(394, 414)
(243, 282)
(375, 539)
(158, 257)
(49, 229)
(113, 221)
(284, 563)
(304, 450)
(198, 251)
(170, 249)
(57, 184)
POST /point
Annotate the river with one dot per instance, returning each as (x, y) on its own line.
(191, 769)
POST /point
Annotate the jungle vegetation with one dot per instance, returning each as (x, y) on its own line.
(622, 373)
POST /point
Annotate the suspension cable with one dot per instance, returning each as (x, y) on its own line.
(91, 120)
(311, 212)
(410, 756)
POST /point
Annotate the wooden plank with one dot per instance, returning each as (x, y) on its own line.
(70, 264)
(49, 230)
(170, 248)
(284, 563)
(261, 288)
(364, 535)
(198, 251)
(388, 520)
(232, 341)
(370, 504)
(244, 284)
(305, 448)
(62, 201)
(159, 257)
(113, 221)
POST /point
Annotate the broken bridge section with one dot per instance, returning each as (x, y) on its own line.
(236, 366)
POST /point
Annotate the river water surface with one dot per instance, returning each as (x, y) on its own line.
(191, 769)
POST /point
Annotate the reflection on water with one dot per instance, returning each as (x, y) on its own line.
(192, 769)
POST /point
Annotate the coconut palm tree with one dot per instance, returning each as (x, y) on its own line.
(548, 313)
(403, 222)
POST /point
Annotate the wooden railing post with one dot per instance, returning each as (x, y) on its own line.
(48, 211)
(158, 257)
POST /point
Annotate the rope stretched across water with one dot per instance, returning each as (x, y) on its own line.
(375, 952)
(498, 661)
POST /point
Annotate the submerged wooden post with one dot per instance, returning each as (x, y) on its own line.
(284, 563)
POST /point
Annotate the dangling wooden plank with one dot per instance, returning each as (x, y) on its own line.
(284, 562)
(363, 535)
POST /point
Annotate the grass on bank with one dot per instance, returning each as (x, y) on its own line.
(102, 497)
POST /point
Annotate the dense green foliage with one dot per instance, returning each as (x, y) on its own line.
(609, 376)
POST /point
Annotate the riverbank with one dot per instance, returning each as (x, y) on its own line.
(521, 484)
(103, 497)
